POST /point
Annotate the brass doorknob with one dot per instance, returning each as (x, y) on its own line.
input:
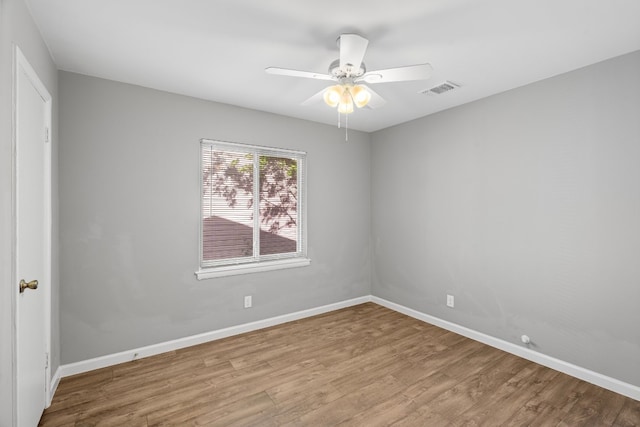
(31, 285)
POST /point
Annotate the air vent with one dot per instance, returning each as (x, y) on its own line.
(440, 89)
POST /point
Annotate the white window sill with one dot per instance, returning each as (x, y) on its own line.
(232, 270)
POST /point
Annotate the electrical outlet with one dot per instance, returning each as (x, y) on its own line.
(450, 301)
(247, 301)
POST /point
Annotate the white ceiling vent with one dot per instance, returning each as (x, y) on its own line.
(441, 88)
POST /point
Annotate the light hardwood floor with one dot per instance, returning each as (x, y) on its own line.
(360, 366)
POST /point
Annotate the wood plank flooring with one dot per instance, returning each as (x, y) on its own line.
(360, 366)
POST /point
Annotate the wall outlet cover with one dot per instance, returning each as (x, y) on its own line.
(450, 301)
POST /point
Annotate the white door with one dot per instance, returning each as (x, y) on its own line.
(33, 242)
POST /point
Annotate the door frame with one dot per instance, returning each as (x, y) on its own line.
(21, 64)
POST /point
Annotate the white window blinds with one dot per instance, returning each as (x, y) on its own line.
(252, 204)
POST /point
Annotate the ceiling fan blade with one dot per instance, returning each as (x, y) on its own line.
(352, 50)
(399, 74)
(296, 73)
(315, 99)
(376, 100)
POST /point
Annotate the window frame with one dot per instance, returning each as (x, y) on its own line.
(256, 262)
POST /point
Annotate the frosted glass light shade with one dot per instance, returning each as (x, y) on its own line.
(361, 96)
(346, 103)
(333, 95)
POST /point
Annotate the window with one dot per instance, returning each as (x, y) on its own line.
(252, 209)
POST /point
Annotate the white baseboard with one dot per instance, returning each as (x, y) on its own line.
(152, 350)
(592, 377)
(53, 386)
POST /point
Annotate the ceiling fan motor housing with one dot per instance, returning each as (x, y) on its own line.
(348, 71)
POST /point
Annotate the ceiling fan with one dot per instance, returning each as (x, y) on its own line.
(350, 74)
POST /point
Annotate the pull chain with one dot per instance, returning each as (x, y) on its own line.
(346, 128)
(346, 125)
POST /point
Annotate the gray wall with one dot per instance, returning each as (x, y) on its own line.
(129, 207)
(17, 27)
(526, 207)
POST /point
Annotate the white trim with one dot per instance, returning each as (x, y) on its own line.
(21, 64)
(55, 381)
(151, 350)
(596, 378)
(232, 270)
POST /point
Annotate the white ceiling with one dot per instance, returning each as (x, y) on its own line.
(218, 49)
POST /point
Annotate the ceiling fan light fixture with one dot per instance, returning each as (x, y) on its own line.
(361, 96)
